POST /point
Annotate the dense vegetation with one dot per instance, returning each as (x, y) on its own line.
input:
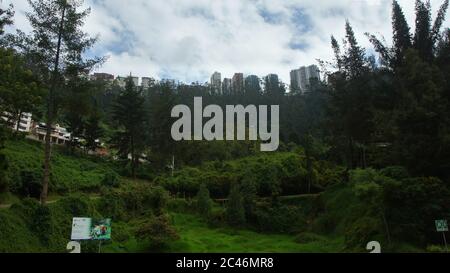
(364, 155)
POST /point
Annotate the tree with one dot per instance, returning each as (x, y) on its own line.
(157, 232)
(422, 36)
(20, 91)
(55, 49)
(349, 111)
(354, 59)
(401, 31)
(204, 202)
(93, 132)
(160, 100)
(235, 212)
(3, 161)
(5, 18)
(130, 116)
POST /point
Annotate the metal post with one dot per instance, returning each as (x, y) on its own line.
(445, 242)
(100, 247)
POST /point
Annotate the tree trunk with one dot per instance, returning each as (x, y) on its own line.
(133, 159)
(50, 115)
(388, 233)
(19, 117)
(351, 153)
(47, 159)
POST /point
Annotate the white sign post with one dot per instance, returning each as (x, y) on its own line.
(81, 229)
(442, 226)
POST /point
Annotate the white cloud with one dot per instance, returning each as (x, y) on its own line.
(190, 39)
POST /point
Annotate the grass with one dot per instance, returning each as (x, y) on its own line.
(70, 173)
(197, 237)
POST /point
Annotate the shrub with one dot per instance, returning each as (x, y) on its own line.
(281, 219)
(204, 202)
(324, 224)
(111, 179)
(361, 232)
(42, 223)
(306, 238)
(77, 206)
(235, 212)
(157, 232)
(30, 183)
(395, 172)
(112, 206)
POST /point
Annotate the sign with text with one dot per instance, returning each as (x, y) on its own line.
(91, 229)
(441, 226)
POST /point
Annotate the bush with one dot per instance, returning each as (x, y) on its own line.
(77, 206)
(42, 223)
(112, 206)
(111, 180)
(395, 172)
(157, 232)
(324, 224)
(204, 202)
(280, 219)
(436, 249)
(235, 212)
(30, 183)
(306, 238)
(361, 232)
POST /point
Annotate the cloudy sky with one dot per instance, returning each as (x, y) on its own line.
(188, 40)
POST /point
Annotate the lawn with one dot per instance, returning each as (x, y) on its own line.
(197, 237)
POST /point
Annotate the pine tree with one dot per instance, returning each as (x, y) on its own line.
(93, 131)
(440, 19)
(235, 209)
(55, 49)
(204, 202)
(5, 18)
(129, 115)
(354, 59)
(422, 36)
(337, 52)
(401, 32)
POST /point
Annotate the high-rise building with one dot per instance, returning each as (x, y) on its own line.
(252, 84)
(23, 124)
(301, 78)
(216, 83)
(272, 84)
(146, 82)
(227, 86)
(102, 77)
(122, 81)
(238, 83)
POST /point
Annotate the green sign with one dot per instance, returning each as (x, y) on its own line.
(91, 229)
(441, 226)
(101, 229)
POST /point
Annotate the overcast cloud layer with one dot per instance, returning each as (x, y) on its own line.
(188, 40)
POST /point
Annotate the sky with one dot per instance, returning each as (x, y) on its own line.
(188, 40)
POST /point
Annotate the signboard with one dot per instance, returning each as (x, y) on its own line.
(101, 229)
(81, 229)
(91, 229)
(441, 226)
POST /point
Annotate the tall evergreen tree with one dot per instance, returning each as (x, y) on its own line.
(5, 17)
(440, 19)
(93, 131)
(129, 116)
(354, 59)
(422, 36)
(401, 32)
(55, 48)
(235, 208)
(204, 202)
